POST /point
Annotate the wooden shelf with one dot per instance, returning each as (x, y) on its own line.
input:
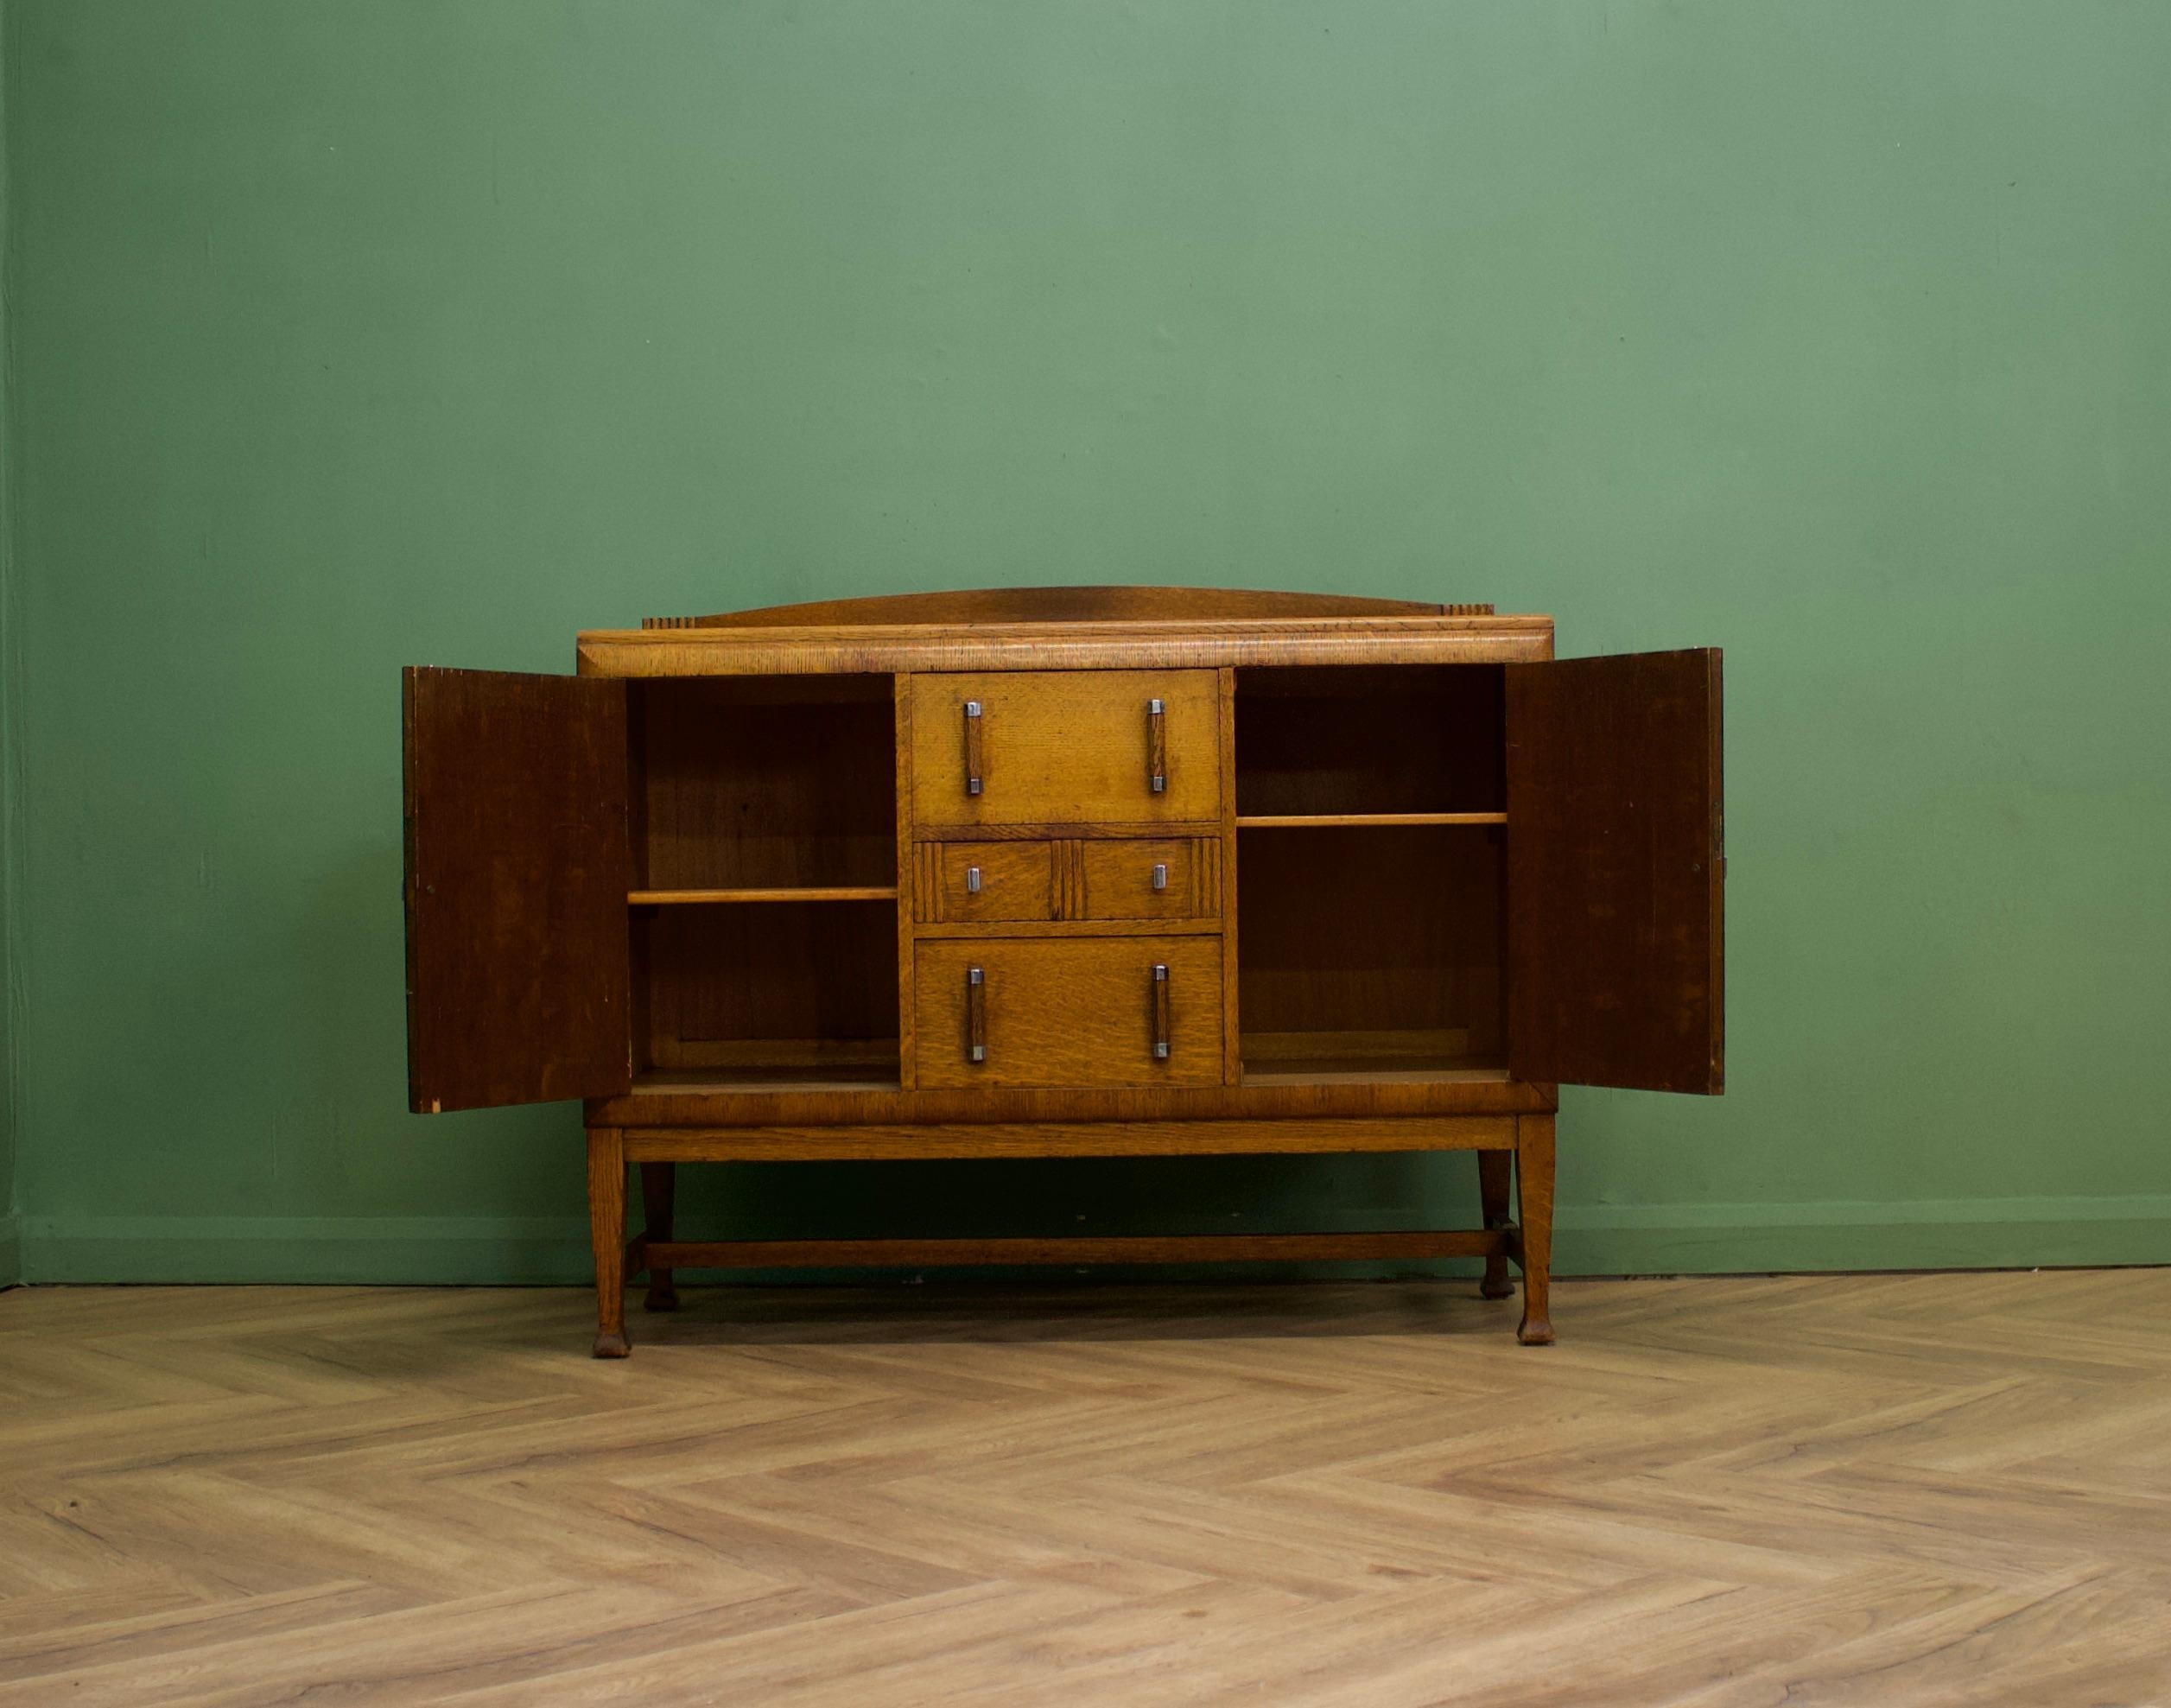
(1314, 820)
(1435, 1055)
(832, 892)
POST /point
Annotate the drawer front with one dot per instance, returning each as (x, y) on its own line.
(1068, 1012)
(985, 880)
(1060, 748)
(1178, 879)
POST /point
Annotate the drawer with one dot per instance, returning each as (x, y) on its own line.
(1069, 1011)
(985, 880)
(1066, 748)
(1169, 879)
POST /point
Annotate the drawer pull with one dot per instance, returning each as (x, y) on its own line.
(972, 880)
(1160, 874)
(1160, 1013)
(975, 1015)
(1156, 745)
(972, 747)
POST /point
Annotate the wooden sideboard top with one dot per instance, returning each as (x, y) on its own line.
(1065, 628)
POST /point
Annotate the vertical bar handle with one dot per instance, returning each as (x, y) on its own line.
(1160, 874)
(973, 765)
(1156, 745)
(975, 1015)
(1160, 1013)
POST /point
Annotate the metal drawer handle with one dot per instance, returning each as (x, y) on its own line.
(972, 880)
(973, 767)
(1160, 874)
(1160, 1013)
(975, 1015)
(1155, 746)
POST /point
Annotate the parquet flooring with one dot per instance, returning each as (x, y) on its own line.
(1888, 1489)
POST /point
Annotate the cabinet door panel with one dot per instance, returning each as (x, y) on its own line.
(1069, 1011)
(1059, 748)
(1616, 868)
(517, 869)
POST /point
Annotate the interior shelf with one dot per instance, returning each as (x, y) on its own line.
(762, 907)
(708, 898)
(1313, 820)
(1393, 745)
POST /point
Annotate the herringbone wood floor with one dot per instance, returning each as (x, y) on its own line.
(1879, 1490)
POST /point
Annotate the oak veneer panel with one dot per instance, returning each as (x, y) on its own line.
(1090, 1249)
(1181, 644)
(1017, 881)
(1066, 605)
(1357, 933)
(517, 869)
(1069, 1011)
(1616, 872)
(1116, 879)
(1069, 1139)
(786, 983)
(686, 1101)
(1409, 739)
(1064, 746)
(766, 784)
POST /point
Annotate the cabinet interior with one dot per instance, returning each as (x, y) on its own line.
(764, 921)
(1371, 872)
(1339, 741)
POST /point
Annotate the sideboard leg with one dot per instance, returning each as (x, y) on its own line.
(1493, 1167)
(1533, 1191)
(659, 1187)
(607, 1231)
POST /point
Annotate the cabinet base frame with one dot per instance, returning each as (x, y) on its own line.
(1527, 1243)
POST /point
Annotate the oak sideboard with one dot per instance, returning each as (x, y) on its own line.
(1086, 871)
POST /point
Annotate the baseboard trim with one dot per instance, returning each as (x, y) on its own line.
(1590, 1240)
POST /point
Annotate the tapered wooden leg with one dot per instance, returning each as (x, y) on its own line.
(1534, 1192)
(607, 1231)
(659, 1186)
(1493, 1170)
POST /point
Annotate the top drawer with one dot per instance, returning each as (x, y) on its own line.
(1055, 747)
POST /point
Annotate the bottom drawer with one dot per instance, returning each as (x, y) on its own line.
(1068, 1011)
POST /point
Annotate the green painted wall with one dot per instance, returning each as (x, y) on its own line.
(11, 685)
(358, 332)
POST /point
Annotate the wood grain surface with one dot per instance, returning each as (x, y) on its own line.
(1064, 745)
(1616, 873)
(1069, 1011)
(1873, 1490)
(1194, 644)
(517, 865)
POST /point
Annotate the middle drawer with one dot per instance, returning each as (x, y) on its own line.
(1075, 878)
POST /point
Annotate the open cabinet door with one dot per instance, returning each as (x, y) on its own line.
(1616, 873)
(518, 867)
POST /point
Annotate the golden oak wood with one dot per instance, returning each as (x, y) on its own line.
(1071, 871)
(1064, 744)
(928, 1139)
(1149, 878)
(1069, 1011)
(1192, 644)
(967, 882)
(702, 1097)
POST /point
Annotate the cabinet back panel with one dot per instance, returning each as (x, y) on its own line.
(760, 782)
(729, 984)
(1344, 739)
(1374, 934)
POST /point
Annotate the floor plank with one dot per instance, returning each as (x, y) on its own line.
(1924, 1488)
